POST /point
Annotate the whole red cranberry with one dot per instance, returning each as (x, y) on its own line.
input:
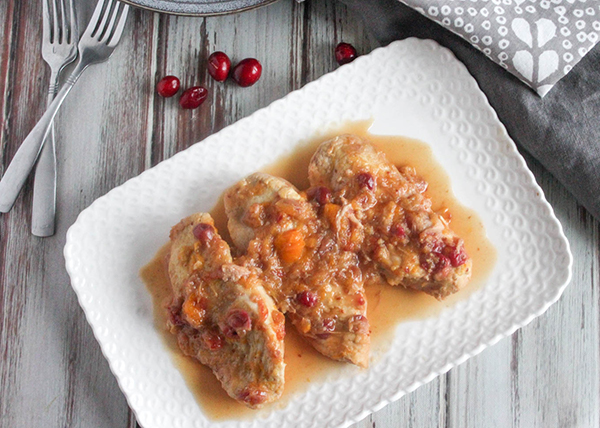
(307, 298)
(193, 97)
(328, 324)
(237, 323)
(204, 232)
(321, 195)
(239, 318)
(247, 72)
(345, 53)
(457, 255)
(366, 179)
(219, 65)
(167, 86)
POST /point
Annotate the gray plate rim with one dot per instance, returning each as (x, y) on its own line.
(198, 9)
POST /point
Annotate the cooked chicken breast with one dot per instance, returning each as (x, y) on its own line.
(382, 212)
(318, 285)
(222, 315)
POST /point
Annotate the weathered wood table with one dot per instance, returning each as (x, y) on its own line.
(113, 127)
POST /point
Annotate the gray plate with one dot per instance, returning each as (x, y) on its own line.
(198, 7)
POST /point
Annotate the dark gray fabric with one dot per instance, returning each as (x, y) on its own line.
(562, 130)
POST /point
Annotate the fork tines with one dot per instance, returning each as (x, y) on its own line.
(105, 15)
(58, 24)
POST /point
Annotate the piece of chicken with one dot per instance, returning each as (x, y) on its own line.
(222, 315)
(316, 284)
(383, 212)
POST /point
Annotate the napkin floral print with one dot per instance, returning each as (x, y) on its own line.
(539, 41)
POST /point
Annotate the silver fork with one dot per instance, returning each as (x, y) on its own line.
(96, 45)
(59, 48)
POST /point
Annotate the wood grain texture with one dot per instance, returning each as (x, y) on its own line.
(113, 126)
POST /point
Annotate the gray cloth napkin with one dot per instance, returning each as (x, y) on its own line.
(561, 130)
(537, 41)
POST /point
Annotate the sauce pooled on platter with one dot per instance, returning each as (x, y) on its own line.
(387, 306)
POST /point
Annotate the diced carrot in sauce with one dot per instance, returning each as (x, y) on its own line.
(330, 211)
(290, 245)
(194, 309)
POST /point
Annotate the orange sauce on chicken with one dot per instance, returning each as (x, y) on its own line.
(387, 306)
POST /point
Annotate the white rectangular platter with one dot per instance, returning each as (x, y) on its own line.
(414, 88)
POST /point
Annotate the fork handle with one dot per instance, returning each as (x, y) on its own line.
(25, 158)
(43, 208)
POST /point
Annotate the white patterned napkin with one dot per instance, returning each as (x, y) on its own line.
(539, 41)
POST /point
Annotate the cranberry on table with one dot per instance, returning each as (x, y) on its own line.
(247, 72)
(345, 53)
(193, 97)
(219, 65)
(167, 86)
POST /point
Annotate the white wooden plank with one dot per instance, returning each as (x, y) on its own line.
(58, 376)
(557, 374)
